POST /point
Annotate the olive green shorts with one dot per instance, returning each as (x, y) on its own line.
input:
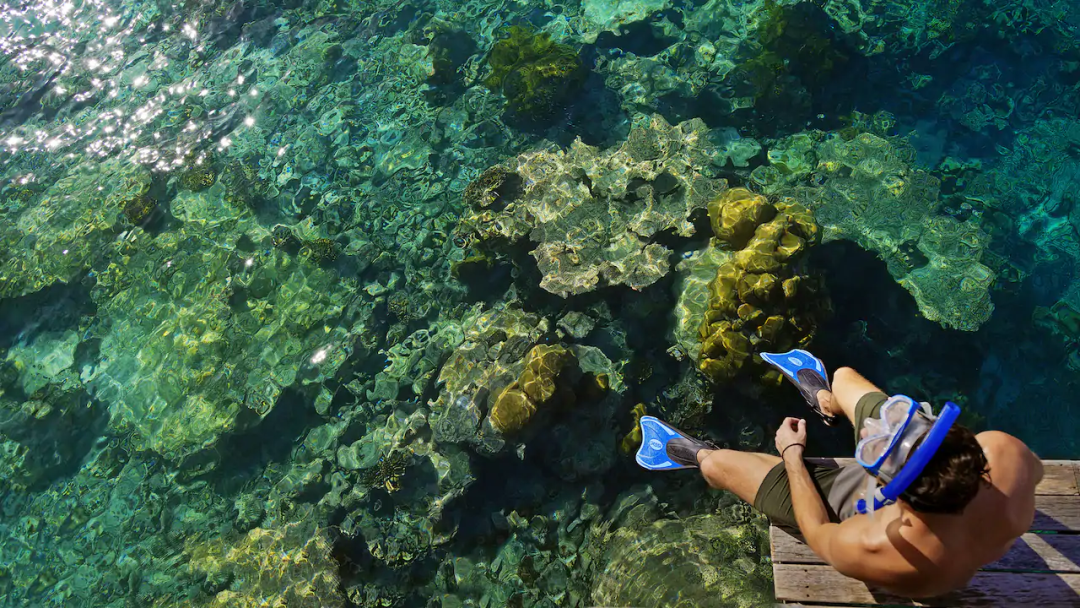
(774, 496)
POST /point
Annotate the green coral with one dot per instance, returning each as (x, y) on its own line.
(241, 181)
(866, 189)
(399, 305)
(283, 238)
(320, 251)
(548, 378)
(139, 209)
(757, 301)
(593, 217)
(387, 473)
(198, 178)
(282, 565)
(536, 74)
(494, 185)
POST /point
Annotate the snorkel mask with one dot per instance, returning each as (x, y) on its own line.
(886, 452)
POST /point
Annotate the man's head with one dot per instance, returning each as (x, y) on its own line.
(952, 477)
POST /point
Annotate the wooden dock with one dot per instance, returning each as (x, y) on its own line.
(1042, 568)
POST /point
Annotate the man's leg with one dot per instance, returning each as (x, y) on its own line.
(761, 481)
(738, 472)
(848, 387)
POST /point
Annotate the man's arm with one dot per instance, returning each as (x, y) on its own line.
(842, 546)
(810, 512)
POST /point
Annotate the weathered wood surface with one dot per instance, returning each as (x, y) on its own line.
(1060, 477)
(799, 583)
(1056, 514)
(1038, 552)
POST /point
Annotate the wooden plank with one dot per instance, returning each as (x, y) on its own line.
(1033, 552)
(1060, 477)
(799, 583)
(1056, 514)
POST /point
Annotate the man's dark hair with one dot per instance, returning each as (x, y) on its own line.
(952, 477)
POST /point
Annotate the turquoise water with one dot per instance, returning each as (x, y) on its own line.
(313, 303)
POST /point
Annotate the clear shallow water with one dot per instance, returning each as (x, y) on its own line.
(267, 271)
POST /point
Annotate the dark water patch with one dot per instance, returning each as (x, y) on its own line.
(223, 29)
(56, 308)
(28, 104)
(261, 31)
(987, 72)
(877, 329)
(274, 438)
(450, 48)
(398, 19)
(802, 66)
(641, 38)
(709, 105)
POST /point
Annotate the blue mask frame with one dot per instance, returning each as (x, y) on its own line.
(915, 463)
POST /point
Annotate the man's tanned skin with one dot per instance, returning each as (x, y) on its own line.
(905, 552)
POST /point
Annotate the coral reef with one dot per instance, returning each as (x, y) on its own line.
(594, 215)
(536, 74)
(757, 300)
(794, 53)
(706, 560)
(285, 565)
(59, 238)
(212, 340)
(547, 381)
(864, 189)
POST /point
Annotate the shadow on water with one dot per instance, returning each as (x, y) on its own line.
(275, 438)
(996, 374)
(56, 424)
(55, 308)
(876, 327)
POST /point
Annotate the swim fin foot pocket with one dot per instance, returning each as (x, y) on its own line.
(664, 447)
(808, 374)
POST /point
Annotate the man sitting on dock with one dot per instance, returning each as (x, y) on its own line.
(952, 501)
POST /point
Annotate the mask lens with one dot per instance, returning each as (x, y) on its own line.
(873, 427)
(896, 413)
(871, 450)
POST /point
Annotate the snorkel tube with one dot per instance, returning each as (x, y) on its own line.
(915, 463)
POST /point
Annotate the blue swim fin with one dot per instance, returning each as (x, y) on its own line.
(666, 448)
(807, 373)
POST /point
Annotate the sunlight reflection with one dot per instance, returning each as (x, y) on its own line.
(89, 65)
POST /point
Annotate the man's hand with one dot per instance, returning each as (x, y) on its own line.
(792, 431)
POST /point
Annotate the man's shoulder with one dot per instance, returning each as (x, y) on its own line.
(1010, 457)
(1015, 471)
(999, 440)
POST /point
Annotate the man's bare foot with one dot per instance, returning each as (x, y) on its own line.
(825, 400)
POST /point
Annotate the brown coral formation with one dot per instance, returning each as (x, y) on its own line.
(139, 208)
(756, 301)
(493, 185)
(549, 378)
(284, 565)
